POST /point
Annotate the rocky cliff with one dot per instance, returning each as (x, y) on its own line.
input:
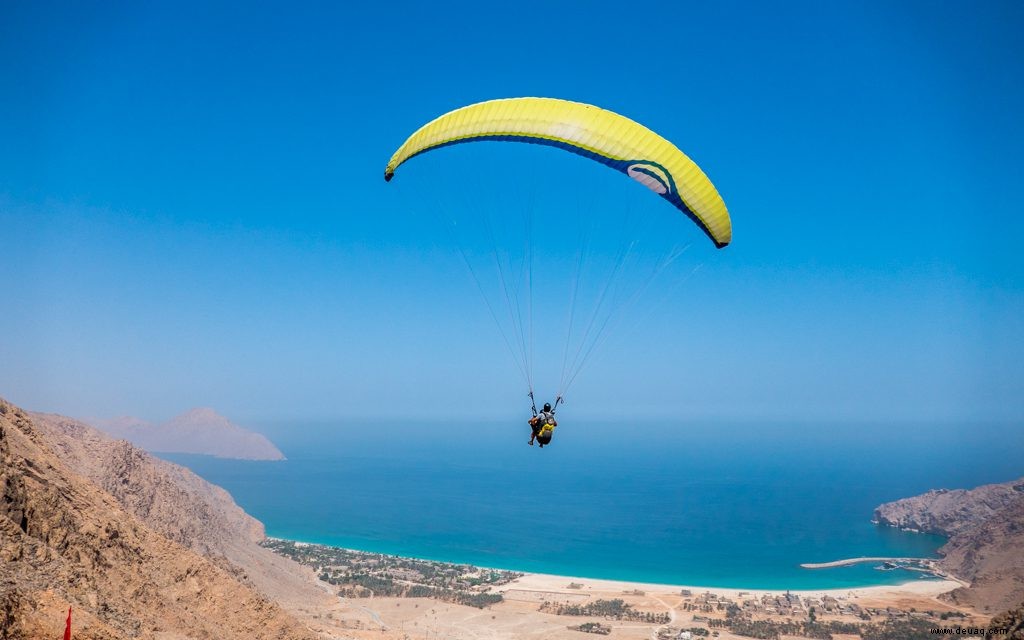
(201, 430)
(985, 527)
(172, 500)
(183, 507)
(1008, 625)
(65, 540)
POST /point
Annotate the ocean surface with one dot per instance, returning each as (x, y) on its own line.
(693, 503)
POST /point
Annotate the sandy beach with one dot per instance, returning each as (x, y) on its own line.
(528, 609)
(520, 615)
(558, 584)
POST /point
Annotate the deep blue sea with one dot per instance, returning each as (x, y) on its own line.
(696, 503)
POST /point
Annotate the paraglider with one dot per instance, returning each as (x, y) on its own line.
(542, 425)
(591, 132)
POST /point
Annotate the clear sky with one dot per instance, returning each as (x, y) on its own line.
(192, 210)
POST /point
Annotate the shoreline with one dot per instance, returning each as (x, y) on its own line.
(550, 583)
(557, 583)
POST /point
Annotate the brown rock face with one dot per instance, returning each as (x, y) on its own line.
(170, 499)
(949, 512)
(1012, 622)
(183, 507)
(986, 538)
(65, 541)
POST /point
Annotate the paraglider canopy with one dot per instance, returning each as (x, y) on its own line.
(589, 131)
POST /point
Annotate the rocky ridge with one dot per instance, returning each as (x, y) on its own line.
(1011, 622)
(180, 505)
(985, 527)
(65, 540)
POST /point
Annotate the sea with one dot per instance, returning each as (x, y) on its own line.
(703, 503)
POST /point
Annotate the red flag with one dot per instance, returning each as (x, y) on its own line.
(67, 629)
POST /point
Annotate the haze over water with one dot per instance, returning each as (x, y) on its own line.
(695, 503)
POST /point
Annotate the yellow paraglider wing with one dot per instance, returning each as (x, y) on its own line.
(589, 131)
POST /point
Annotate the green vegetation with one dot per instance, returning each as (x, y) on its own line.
(366, 586)
(615, 609)
(359, 574)
(896, 629)
(892, 629)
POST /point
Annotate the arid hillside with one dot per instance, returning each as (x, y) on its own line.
(65, 540)
(183, 507)
(986, 538)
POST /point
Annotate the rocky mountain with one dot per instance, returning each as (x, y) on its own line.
(201, 430)
(172, 500)
(141, 548)
(64, 541)
(949, 512)
(185, 508)
(1012, 622)
(985, 527)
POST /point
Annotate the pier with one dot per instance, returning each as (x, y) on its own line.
(851, 561)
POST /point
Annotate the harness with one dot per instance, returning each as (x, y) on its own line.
(548, 427)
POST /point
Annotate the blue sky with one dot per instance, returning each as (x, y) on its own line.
(192, 208)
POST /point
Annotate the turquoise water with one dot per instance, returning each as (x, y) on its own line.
(699, 504)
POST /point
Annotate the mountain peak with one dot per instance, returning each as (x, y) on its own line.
(199, 430)
(202, 415)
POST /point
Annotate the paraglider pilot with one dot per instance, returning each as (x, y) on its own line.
(542, 426)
